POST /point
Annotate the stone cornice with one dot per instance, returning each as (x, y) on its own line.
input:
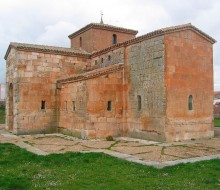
(92, 74)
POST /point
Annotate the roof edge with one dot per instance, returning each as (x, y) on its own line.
(45, 49)
(92, 74)
(102, 26)
(153, 34)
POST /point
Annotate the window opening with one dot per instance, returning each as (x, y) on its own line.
(80, 42)
(139, 102)
(190, 102)
(74, 105)
(65, 105)
(114, 39)
(43, 104)
(109, 108)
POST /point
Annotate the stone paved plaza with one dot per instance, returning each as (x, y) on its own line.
(140, 151)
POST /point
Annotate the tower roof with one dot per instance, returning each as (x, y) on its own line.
(103, 26)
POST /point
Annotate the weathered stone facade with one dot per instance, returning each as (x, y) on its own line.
(158, 86)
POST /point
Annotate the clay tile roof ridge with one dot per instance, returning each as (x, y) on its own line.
(155, 33)
(106, 26)
(46, 47)
(93, 73)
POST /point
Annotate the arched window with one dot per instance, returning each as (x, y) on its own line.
(139, 102)
(190, 102)
(109, 57)
(114, 39)
(102, 60)
(80, 42)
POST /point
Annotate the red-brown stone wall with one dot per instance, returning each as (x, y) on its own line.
(91, 119)
(34, 77)
(189, 71)
(98, 39)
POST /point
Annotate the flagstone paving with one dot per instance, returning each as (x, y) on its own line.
(141, 151)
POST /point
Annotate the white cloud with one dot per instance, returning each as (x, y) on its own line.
(57, 34)
(51, 21)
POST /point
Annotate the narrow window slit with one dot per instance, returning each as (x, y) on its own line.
(74, 105)
(109, 106)
(43, 104)
(190, 102)
(139, 102)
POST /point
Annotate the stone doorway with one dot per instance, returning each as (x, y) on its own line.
(11, 108)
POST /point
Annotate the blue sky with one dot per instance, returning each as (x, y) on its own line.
(49, 22)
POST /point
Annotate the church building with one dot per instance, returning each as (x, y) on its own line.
(158, 86)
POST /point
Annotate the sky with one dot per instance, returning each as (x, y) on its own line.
(49, 22)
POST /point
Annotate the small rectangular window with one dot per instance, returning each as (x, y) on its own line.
(43, 104)
(190, 102)
(139, 102)
(65, 106)
(109, 107)
(74, 105)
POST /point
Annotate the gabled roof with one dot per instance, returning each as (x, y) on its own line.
(157, 33)
(103, 26)
(46, 49)
(83, 53)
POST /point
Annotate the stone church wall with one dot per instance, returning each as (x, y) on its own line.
(189, 71)
(84, 107)
(33, 76)
(109, 58)
(145, 61)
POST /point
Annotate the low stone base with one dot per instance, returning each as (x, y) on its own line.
(87, 134)
(30, 131)
(146, 135)
(190, 136)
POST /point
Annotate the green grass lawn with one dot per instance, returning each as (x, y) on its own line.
(20, 170)
(217, 122)
(2, 115)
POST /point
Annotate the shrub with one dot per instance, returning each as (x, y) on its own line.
(109, 138)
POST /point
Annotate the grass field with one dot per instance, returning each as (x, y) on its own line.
(21, 170)
(217, 122)
(2, 115)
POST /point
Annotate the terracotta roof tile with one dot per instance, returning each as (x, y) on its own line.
(47, 49)
(103, 26)
(79, 52)
(156, 33)
(93, 74)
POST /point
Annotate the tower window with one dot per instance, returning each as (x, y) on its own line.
(80, 42)
(109, 57)
(190, 102)
(114, 39)
(102, 60)
(139, 102)
(109, 106)
(43, 104)
(74, 105)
